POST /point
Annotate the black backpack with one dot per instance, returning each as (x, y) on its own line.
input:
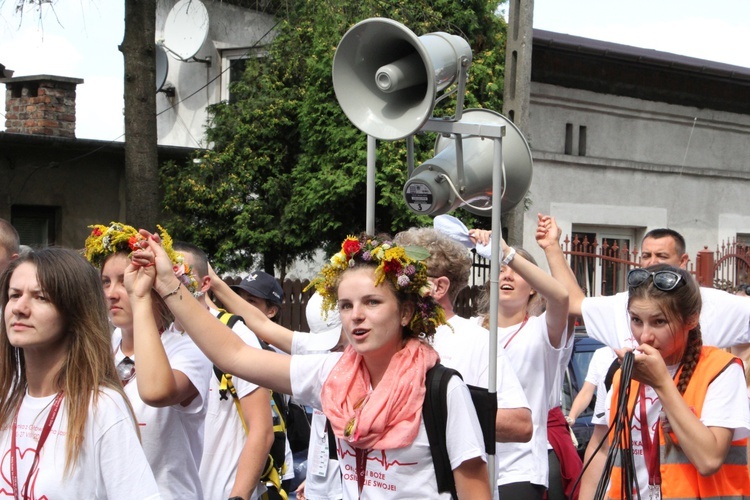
(435, 415)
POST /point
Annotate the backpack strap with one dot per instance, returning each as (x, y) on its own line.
(272, 471)
(435, 416)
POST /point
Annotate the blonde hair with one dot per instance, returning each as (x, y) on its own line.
(73, 286)
(534, 307)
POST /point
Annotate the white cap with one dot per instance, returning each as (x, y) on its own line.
(457, 230)
(326, 330)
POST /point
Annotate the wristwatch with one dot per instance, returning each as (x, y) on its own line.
(508, 258)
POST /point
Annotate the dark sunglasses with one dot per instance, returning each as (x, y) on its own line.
(126, 370)
(663, 280)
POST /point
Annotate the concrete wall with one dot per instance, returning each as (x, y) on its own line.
(647, 165)
(86, 190)
(181, 119)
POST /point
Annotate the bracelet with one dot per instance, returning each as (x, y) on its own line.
(165, 296)
(508, 258)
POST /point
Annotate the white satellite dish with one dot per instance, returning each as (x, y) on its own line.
(162, 67)
(185, 29)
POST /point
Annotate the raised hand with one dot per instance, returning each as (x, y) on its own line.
(480, 236)
(140, 274)
(165, 277)
(547, 232)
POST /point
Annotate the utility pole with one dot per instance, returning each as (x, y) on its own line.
(516, 94)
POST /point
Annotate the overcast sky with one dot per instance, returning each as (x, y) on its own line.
(79, 39)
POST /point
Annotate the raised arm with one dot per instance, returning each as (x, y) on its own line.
(217, 341)
(548, 238)
(548, 287)
(158, 384)
(259, 323)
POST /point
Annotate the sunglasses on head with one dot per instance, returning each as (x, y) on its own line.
(663, 280)
(126, 370)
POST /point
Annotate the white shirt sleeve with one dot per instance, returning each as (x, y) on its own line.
(464, 439)
(725, 318)
(606, 320)
(723, 406)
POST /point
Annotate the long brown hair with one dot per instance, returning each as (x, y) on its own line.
(74, 288)
(680, 306)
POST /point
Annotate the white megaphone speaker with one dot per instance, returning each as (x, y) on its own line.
(386, 78)
(435, 187)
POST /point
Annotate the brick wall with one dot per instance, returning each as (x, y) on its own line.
(41, 105)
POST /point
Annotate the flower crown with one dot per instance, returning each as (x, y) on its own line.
(117, 237)
(403, 266)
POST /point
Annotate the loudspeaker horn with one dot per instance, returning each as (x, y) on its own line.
(386, 78)
(434, 187)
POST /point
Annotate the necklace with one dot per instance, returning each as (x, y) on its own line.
(523, 323)
(42, 439)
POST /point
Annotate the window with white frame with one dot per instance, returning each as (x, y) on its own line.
(600, 257)
(233, 64)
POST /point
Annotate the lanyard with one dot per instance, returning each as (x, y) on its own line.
(361, 456)
(42, 439)
(650, 447)
(523, 323)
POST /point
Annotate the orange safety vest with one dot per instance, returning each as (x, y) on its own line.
(679, 478)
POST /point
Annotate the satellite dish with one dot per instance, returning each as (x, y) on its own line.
(162, 67)
(185, 29)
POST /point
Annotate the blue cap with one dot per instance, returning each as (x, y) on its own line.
(263, 285)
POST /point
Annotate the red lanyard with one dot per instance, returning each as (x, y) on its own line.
(361, 456)
(650, 447)
(42, 439)
(525, 320)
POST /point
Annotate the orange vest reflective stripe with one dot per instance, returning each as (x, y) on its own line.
(679, 478)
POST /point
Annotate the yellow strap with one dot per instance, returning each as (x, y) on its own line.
(271, 475)
(227, 385)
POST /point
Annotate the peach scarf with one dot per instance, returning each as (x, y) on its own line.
(387, 417)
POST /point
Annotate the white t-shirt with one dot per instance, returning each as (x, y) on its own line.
(224, 436)
(536, 363)
(563, 359)
(466, 348)
(111, 464)
(724, 320)
(323, 479)
(172, 436)
(597, 373)
(725, 406)
(405, 473)
(599, 365)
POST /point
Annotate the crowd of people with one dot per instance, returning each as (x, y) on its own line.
(131, 370)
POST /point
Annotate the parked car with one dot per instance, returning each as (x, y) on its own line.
(573, 379)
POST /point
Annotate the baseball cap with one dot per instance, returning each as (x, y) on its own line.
(326, 330)
(263, 285)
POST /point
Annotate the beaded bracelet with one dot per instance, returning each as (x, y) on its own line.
(165, 296)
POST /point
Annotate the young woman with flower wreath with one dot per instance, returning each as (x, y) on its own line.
(66, 427)
(372, 393)
(163, 372)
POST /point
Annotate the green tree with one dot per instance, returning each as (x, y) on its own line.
(286, 174)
